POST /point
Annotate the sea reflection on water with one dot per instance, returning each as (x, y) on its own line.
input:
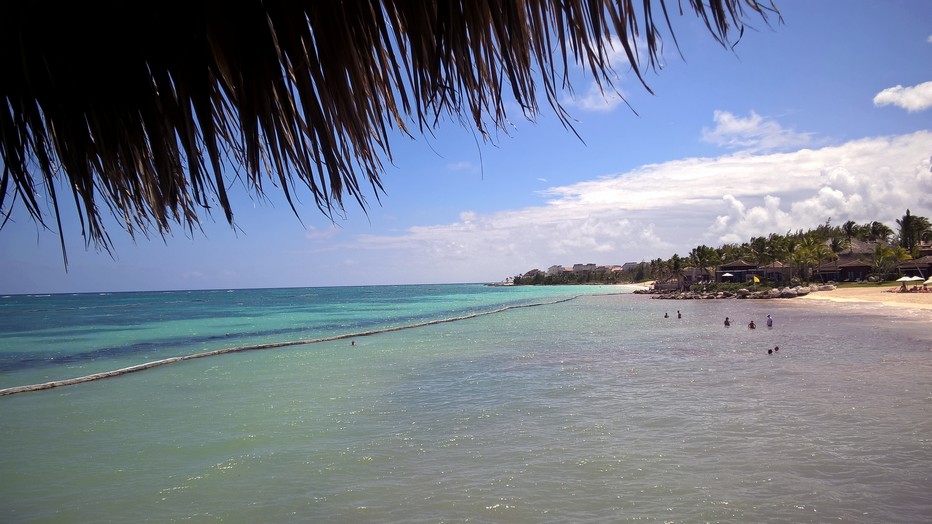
(595, 410)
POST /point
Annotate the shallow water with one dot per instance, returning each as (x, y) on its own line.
(592, 410)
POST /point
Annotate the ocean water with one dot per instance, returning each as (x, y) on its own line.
(587, 407)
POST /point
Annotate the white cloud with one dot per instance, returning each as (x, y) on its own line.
(315, 233)
(753, 133)
(618, 57)
(595, 99)
(912, 99)
(661, 209)
(929, 40)
(460, 166)
(606, 98)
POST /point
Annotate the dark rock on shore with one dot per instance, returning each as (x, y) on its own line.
(787, 292)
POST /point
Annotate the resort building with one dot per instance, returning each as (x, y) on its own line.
(918, 267)
(737, 271)
(840, 271)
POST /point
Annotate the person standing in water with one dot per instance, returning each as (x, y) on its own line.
(769, 321)
(727, 322)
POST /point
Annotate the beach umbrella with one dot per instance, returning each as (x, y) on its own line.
(905, 279)
(299, 95)
(928, 281)
(727, 275)
(916, 279)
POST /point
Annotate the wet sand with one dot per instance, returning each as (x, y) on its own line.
(875, 294)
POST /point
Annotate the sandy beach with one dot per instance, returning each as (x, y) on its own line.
(875, 294)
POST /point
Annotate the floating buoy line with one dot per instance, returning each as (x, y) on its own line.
(171, 360)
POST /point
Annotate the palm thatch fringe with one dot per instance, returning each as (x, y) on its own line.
(142, 108)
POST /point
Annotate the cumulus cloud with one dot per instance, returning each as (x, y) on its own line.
(753, 133)
(660, 209)
(912, 99)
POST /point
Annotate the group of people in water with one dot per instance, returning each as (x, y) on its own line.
(751, 325)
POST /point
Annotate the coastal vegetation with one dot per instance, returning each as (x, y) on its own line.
(798, 253)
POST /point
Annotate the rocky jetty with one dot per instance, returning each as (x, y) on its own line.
(786, 292)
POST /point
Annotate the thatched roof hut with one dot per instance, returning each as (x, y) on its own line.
(151, 110)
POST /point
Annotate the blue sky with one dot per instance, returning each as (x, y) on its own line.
(825, 116)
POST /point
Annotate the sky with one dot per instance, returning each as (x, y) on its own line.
(826, 116)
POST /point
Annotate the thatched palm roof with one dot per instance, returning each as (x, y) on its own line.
(153, 109)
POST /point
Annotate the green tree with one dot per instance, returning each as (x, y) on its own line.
(639, 273)
(837, 245)
(913, 230)
(880, 231)
(676, 269)
(849, 228)
(758, 251)
(819, 253)
(658, 269)
(729, 253)
(901, 254)
(777, 247)
(809, 251)
(825, 231)
(705, 258)
(885, 257)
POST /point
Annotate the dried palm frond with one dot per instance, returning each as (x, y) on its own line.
(141, 106)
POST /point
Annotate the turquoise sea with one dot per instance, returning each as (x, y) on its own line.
(536, 404)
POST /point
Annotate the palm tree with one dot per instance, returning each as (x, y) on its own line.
(729, 253)
(301, 95)
(705, 258)
(759, 252)
(886, 257)
(676, 269)
(907, 238)
(777, 247)
(658, 268)
(819, 253)
(808, 252)
(849, 228)
(900, 254)
(923, 229)
(800, 257)
(882, 260)
(880, 231)
(837, 245)
(913, 230)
